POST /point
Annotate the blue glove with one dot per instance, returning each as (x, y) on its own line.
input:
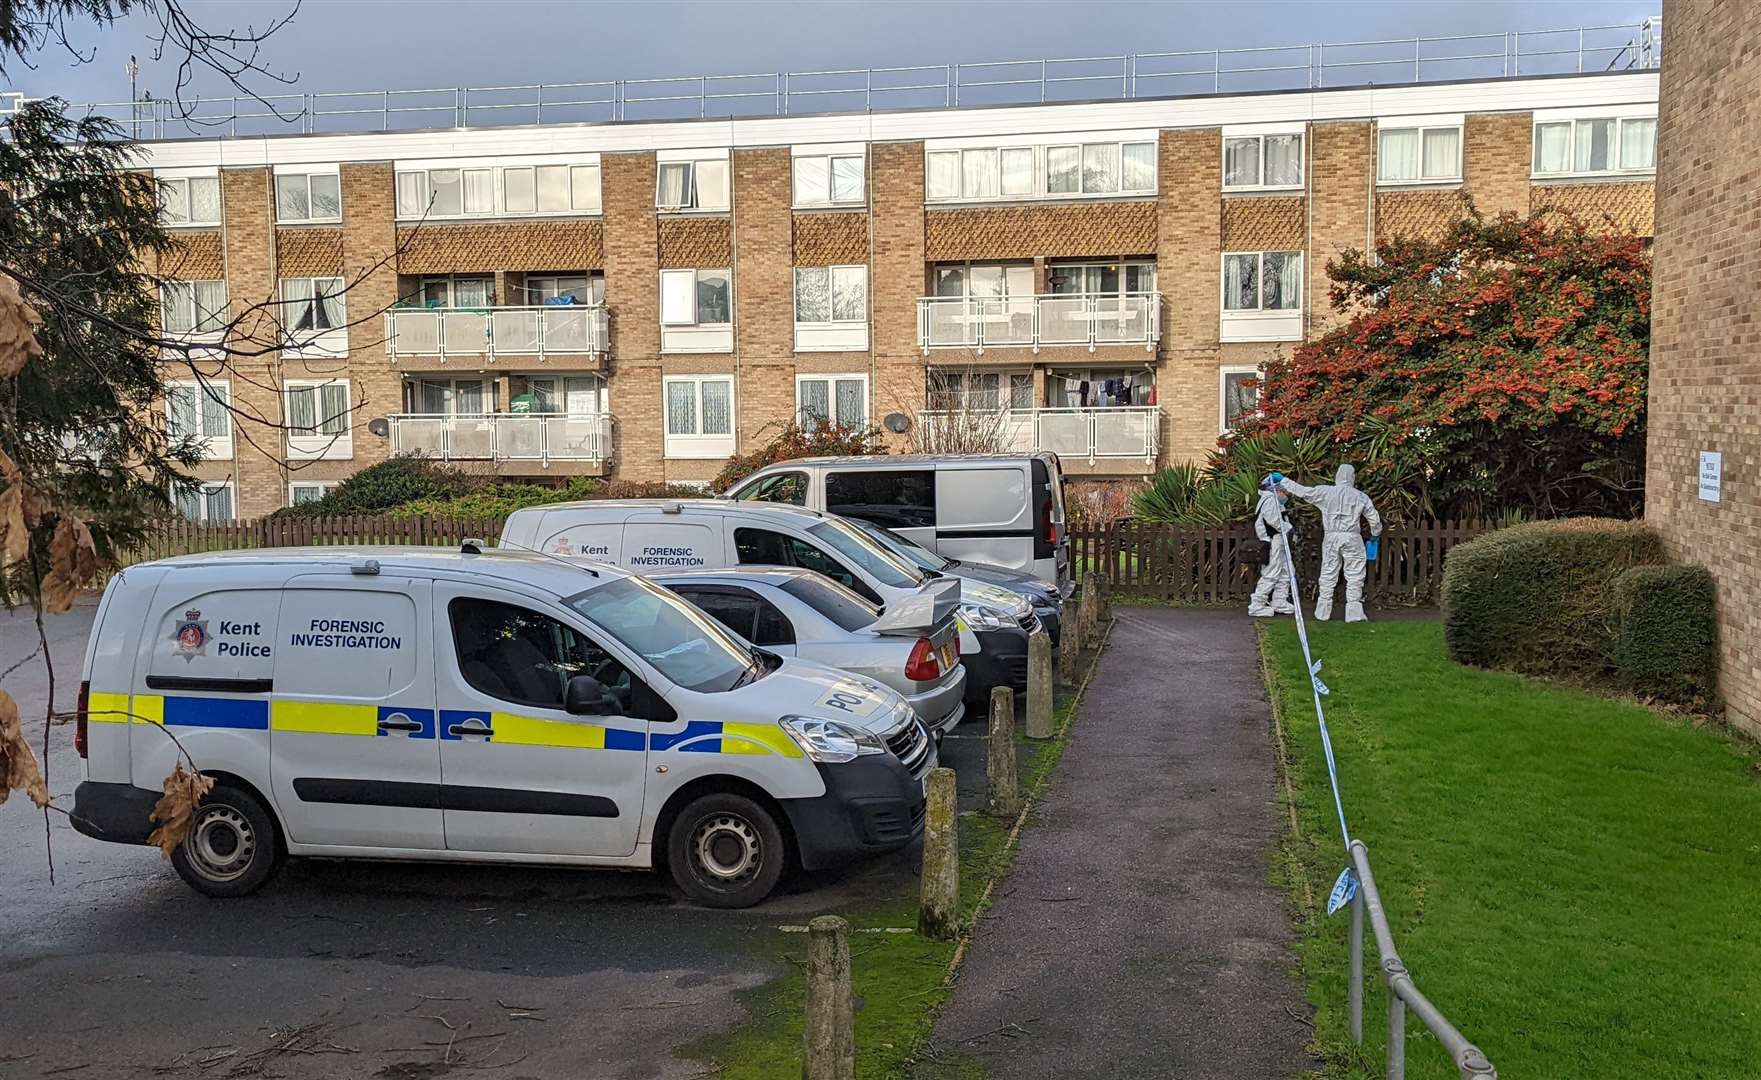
(1277, 478)
(1370, 547)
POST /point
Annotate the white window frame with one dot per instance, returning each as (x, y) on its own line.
(830, 335)
(182, 181)
(696, 444)
(1223, 373)
(694, 194)
(324, 487)
(1040, 147)
(1259, 136)
(214, 447)
(204, 488)
(332, 341)
(219, 318)
(693, 336)
(306, 175)
(319, 444)
(830, 156)
(831, 382)
(1572, 118)
(1422, 125)
(582, 177)
(1260, 323)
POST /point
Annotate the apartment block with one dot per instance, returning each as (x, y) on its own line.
(1103, 279)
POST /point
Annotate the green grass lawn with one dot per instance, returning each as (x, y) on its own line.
(1575, 881)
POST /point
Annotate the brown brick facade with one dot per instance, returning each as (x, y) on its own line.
(1624, 205)
(1705, 341)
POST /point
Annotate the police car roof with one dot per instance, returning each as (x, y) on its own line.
(563, 576)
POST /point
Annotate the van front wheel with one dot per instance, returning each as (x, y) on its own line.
(231, 848)
(725, 851)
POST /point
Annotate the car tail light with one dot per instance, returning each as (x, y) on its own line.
(1051, 527)
(79, 721)
(922, 666)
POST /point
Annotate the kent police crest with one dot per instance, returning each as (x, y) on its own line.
(191, 634)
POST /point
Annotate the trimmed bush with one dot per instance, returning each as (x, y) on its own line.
(388, 485)
(1535, 598)
(500, 500)
(1666, 641)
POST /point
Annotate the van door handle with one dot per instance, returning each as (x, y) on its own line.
(399, 722)
(472, 726)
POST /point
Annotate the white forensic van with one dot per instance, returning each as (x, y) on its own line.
(488, 707)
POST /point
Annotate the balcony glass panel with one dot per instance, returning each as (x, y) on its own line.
(515, 330)
(466, 331)
(1122, 432)
(519, 437)
(1064, 432)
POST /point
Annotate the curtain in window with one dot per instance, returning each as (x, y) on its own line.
(713, 303)
(216, 420)
(681, 408)
(813, 294)
(850, 293)
(1398, 155)
(291, 200)
(852, 402)
(1283, 281)
(812, 181)
(847, 179)
(978, 170)
(1241, 162)
(678, 297)
(1553, 148)
(1017, 171)
(1240, 282)
(518, 190)
(479, 191)
(543, 393)
(329, 303)
(584, 187)
(1140, 278)
(189, 501)
(581, 396)
(176, 301)
(302, 410)
(412, 194)
(210, 306)
(467, 398)
(296, 303)
(718, 408)
(305, 493)
(333, 399)
(204, 199)
(436, 397)
(1020, 392)
(470, 292)
(815, 399)
(675, 184)
(1140, 166)
(1442, 153)
(1284, 160)
(448, 193)
(1063, 170)
(1595, 145)
(1238, 397)
(174, 201)
(1100, 169)
(553, 188)
(180, 404)
(219, 503)
(712, 185)
(943, 181)
(1638, 148)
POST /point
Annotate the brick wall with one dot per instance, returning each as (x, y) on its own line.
(1705, 341)
(896, 278)
(632, 291)
(1495, 159)
(1189, 232)
(1339, 214)
(764, 299)
(251, 273)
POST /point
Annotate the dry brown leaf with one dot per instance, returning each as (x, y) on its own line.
(176, 809)
(18, 766)
(73, 561)
(15, 533)
(18, 329)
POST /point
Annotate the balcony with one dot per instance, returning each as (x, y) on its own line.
(517, 443)
(488, 333)
(983, 322)
(1124, 438)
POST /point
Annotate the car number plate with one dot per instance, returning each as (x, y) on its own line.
(950, 655)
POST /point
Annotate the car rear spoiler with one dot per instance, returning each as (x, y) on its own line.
(922, 611)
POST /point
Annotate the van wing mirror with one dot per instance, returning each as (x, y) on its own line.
(585, 696)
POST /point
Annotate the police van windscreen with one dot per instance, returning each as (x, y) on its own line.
(880, 564)
(685, 645)
(843, 607)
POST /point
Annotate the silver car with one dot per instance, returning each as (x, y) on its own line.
(914, 648)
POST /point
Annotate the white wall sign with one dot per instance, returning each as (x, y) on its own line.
(1711, 475)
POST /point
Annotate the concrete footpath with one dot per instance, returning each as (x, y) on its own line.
(1139, 934)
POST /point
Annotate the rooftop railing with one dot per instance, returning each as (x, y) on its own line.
(1390, 61)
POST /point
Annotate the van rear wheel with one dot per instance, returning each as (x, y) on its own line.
(231, 849)
(726, 851)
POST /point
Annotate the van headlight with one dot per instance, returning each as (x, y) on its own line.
(984, 618)
(831, 741)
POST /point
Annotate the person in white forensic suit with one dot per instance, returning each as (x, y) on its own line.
(1272, 595)
(1342, 507)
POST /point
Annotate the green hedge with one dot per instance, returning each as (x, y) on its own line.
(1535, 598)
(1666, 641)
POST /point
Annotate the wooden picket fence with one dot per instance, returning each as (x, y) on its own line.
(193, 537)
(1191, 565)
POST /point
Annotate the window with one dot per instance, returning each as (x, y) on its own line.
(199, 501)
(692, 185)
(1419, 155)
(551, 288)
(312, 305)
(967, 279)
(1240, 395)
(762, 547)
(1256, 162)
(1597, 145)
(897, 499)
(301, 492)
(1100, 388)
(579, 395)
(837, 603)
(690, 650)
(829, 180)
(695, 297)
(487, 190)
(1032, 172)
(451, 291)
(519, 655)
(745, 613)
(964, 391)
(198, 410)
(192, 307)
(190, 201)
(308, 196)
(825, 294)
(318, 419)
(789, 487)
(1262, 281)
(1101, 279)
(453, 397)
(837, 399)
(699, 415)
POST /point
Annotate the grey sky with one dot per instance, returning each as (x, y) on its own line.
(371, 44)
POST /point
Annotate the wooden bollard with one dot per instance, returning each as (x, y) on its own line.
(1039, 686)
(1000, 762)
(1091, 596)
(1069, 645)
(938, 912)
(831, 1018)
(1104, 602)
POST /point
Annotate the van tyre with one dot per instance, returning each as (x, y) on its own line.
(726, 851)
(232, 847)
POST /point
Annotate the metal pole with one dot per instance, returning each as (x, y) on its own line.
(541, 103)
(1357, 967)
(1321, 64)
(1216, 71)
(1580, 50)
(1396, 1036)
(953, 84)
(1418, 51)
(702, 96)
(1042, 80)
(385, 110)
(1516, 52)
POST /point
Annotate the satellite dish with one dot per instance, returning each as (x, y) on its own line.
(897, 423)
(379, 426)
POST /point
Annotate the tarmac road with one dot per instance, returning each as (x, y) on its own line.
(386, 970)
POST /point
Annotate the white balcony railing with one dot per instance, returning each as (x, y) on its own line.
(1116, 432)
(550, 329)
(981, 322)
(544, 437)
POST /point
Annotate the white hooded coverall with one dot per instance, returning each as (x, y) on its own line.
(1342, 506)
(1272, 595)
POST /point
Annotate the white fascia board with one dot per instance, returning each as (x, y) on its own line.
(1597, 112)
(708, 153)
(1243, 131)
(192, 172)
(1052, 138)
(1429, 120)
(1004, 123)
(315, 168)
(513, 161)
(843, 149)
